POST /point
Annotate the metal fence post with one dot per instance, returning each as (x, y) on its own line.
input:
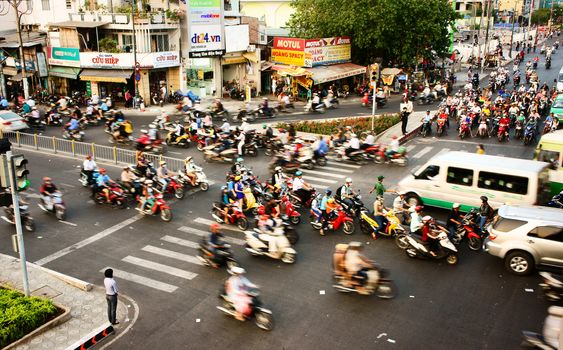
(115, 154)
(18, 140)
(35, 141)
(93, 151)
(72, 146)
(54, 144)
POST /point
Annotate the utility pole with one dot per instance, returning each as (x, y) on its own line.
(135, 70)
(485, 49)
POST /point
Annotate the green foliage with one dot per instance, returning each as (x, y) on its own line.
(358, 124)
(109, 45)
(542, 16)
(20, 315)
(398, 30)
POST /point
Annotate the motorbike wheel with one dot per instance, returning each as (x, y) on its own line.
(365, 227)
(321, 161)
(268, 151)
(295, 220)
(166, 215)
(411, 252)
(254, 151)
(99, 198)
(309, 165)
(204, 186)
(500, 138)
(230, 264)
(378, 159)
(60, 214)
(475, 243)
(401, 241)
(288, 258)
(199, 147)
(348, 227)
(179, 193)
(110, 140)
(122, 203)
(451, 259)
(29, 224)
(242, 224)
(316, 225)
(386, 290)
(292, 237)
(264, 320)
(83, 180)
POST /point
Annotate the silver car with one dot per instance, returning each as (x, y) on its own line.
(10, 121)
(526, 236)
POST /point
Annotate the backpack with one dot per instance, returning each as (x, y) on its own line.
(337, 195)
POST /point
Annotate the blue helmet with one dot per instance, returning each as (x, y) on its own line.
(298, 173)
(328, 192)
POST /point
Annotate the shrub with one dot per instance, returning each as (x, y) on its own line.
(358, 124)
(20, 315)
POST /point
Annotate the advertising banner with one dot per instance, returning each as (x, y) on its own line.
(312, 52)
(292, 58)
(63, 56)
(206, 28)
(292, 44)
(165, 59)
(106, 60)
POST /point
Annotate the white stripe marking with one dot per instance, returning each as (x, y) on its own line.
(312, 178)
(410, 148)
(202, 233)
(443, 150)
(68, 223)
(353, 166)
(336, 169)
(322, 173)
(149, 282)
(319, 187)
(172, 254)
(87, 241)
(180, 241)
(204, 221)
(67, 185)
(159, 267)
(423, 152)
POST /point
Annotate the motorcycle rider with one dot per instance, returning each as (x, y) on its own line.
(301, 188)
(225, 127)
(215, 241)
(128, 178)
(163, 174)
(88, 167)
(153, 133)
(323, 209)
(357, 265)
(346, 193)
(393, 148)
(486, 212)
(400, 207)
(454, 220)
(237, 287)
(416, 220)
(316, 101)
(321, 148)
(338, 262)
(278, 177)
(430, 234)
(505, 121)
(190, 170)
(102, 184)
(379, 214)
(147, 195)
(426, 122)
(46, 191)
(353, 145)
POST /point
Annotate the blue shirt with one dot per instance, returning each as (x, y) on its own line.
(324, 201)
(102, 180)
(73, 124)
(104, 107)
(4, 102)
(323, 146)
(230, 185)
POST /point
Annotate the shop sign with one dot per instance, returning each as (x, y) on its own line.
(327, 51)
(106, 60)
(292, 58)
(206, 28)
(165, 59)
(292, 44)
(42, 65)
(64, 56)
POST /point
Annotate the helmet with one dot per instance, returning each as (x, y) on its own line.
(102, 170)
(426, 219)
(148, 182)
(214, 227)
(144, 131)
(330, 200)
(261, 210)
(162, 162)
(237, 178)
(401, 193)
(278, 168)
(237, 270)
(223, 187)
(328, 192)
(267, 196)
(455, 205)
(240, 160)
(298, 173)
(264, 126)
(152, 126)
(277, 186)
(45, 179)
(418, 208)
(484, 198)
(264, 98)
(348, 180)
(353, 135)
(224, 119)
(188, 159)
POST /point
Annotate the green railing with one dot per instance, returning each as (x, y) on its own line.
(51, 144)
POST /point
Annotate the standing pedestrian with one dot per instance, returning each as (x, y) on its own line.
(111, 296)
(379, 188)
(480, 149)
(406, 110)
(274, 86)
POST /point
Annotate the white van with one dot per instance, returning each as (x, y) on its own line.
(461, 177)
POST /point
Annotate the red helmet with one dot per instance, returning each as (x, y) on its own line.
(214, 227)
(418, 208)
(102, 170)
(261, 210)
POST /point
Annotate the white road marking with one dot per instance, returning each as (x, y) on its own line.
(149, 282)
(68, 223)
(174, 152)
(68, 185)
(180, 241)
(204, 221)
(172, 254)
(443, 150)
(312, 178)
(202, 233)
(336, 169)
(318, 186)
(322, 173)
(353, 166)
(410, 148)
(423, 152)
(174, 271)
(87, 241)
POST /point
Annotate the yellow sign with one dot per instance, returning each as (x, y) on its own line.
(292, 58)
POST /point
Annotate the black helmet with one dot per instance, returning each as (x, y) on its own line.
(484, 198)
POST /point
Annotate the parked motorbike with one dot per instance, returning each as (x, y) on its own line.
(340, 220)
(57, 206)
(262, 316)
(419, 249)
(27, 221)
(237, 217)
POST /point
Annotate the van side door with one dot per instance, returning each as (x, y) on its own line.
(547, 241)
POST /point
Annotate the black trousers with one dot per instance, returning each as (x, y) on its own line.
(112, 307)
(404, 121)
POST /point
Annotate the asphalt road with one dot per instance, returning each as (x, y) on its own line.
(473, 305)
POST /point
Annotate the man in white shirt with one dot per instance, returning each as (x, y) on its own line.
(353, 145)
(62, 102)
(301, 188)
(111, 296)
(369, 141)
(88, 167)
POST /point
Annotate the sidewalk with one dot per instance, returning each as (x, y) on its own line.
(87, 304)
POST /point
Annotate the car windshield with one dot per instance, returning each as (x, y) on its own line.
(506, 225)
(9, 116)
(557, 104)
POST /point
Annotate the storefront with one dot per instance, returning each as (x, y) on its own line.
(64, 67)
(163, 70)
(105, 82)
(240, 70)
(200, 76)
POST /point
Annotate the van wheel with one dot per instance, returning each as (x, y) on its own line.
(519, 263)
(412, 199)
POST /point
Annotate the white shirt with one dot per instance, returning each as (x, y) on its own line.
(354, 143)
(407, 105)
(394, 145)
(62, 102)
(31, 103)
(297, 184)
(111, 286)
(398, 204)
(89, 165)
(370, 140)
(352, 261)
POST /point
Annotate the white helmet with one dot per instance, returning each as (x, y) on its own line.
(237, 270)
(152, 126)
(278, 168)
(348, 180)
(144, 131)
(354, 135)
(427, 218)
(148, 182)
(455, 205)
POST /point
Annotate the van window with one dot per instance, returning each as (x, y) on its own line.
(551, 157)
(551, 233)
(460, 176)
(429, 172)
(503, 183)
(507, 225)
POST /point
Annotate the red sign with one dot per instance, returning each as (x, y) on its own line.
(338, 40)
(289, 44)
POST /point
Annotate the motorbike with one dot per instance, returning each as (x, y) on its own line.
(464, 130)
(529, 134)
(157, 206)
(223, 255)
(276, 245)
(237, 217)
(53, 119)
(368, 225)
(262, 316)
(426, 100)
(550, 337)
(341, 219)
(418, 248)
(354, 209)
(552, 286)
(174, 187)
(399, 158)
(214, 152)
(117, 197)
(320, 107)
(502, 134)
(547, 63)
(27, 221)
(331, 103)
(441, 127)
(356, 156)
(483, 130)
(73, 135)
(183, 140)
(384, 288)
(263, 112)
(156, 146)
(426, 128)
(556, 201)
(470, 231)
(57, 206)
(200, 179)
(518, 131)
(84, 180)
(250, 149)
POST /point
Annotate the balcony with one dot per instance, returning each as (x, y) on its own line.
(156, 20)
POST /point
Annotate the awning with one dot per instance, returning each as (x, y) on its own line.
(390, 71)
(233, 60)
(323, 74)
(266, 65)
(77, 24)
(290, 70)
(15, 44)
(251, 56)
(106, 75)
(64, 72)
(10, 71)
(17, 77)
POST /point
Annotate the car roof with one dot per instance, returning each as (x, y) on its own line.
(559, 97)
(470, 160)
(9, 114)
(532, 212)
(553, 136)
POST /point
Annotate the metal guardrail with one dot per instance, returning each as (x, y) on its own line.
(82, 149)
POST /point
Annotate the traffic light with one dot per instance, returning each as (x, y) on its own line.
(19, 164)
(374, 74)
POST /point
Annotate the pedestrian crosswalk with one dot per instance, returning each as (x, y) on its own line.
(164, 267)
(330, 176)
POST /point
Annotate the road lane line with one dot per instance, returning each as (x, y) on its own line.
(312, 178)
(422, 152)
(410, 148)
(353, 166)
(336, 169)
(68, 185)
(204, 221)
(174, 271)
(180, 241)
(149, 282)
(171, 254)
(322, 173)
(87, 241)
(443, 150)
(68, 223)
(203, 233)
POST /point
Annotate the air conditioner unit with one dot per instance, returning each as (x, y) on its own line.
(251, 48)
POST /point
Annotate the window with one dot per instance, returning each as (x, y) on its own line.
(69, 4)
(549, 157)
(507, 225)
(460, 176)
(127, 41)
(45, 5)
(429, 172)
(159, 42)
(551, 233)
(503, 183)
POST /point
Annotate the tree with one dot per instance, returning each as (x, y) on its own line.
(398, 30)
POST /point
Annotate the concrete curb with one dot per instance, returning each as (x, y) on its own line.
(93, 338)
(75, 282)
(135, 315)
